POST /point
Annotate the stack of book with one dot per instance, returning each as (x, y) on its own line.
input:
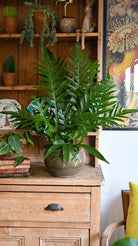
(7, 168)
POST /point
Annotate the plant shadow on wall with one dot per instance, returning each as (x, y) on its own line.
(76, 102)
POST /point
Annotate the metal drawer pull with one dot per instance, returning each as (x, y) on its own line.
(54, 207)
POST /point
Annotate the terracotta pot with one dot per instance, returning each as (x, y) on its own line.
(67, 24)
(38, 20)
(8, 79)
(10, 25)
(57, 169)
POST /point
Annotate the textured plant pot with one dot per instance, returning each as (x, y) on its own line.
(38, 21)
(67, 24)
(57, 169)
(9, 79)
(10, 25)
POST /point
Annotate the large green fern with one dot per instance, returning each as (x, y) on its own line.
(75, 102)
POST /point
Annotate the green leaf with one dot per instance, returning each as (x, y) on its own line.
(28, 137)
(51, 150)
(18, 161)
(94, 152)
(4, 147)
(66, 154)
(129, 241)
(15, 143)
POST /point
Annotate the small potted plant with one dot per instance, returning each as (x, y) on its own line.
(66, 24)
(12, 146)
(76, 102)
(40, 19)
(10, 19)
(9, 70)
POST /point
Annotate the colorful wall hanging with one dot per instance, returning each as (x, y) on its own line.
(121, 53)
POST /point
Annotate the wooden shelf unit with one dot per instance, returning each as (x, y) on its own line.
(25, 57)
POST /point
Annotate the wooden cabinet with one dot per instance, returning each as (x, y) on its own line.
(25, 56)
(23, 219)
(44, 237)
(25, 222)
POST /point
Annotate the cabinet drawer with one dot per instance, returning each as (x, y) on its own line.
(28, 206)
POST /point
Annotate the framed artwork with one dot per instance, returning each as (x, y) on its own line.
(120, 57)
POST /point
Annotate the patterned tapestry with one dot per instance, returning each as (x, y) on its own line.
(121, 54)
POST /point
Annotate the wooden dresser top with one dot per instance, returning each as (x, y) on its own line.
(88, 176)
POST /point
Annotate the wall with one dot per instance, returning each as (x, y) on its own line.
(121, 150)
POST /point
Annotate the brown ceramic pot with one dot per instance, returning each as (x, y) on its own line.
(10, 25)
(8, 79)
(67, 24)
(57, 169)
(38, 20)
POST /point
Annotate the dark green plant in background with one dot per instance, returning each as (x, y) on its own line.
(9, 65)
(48, 32)
(76, 102)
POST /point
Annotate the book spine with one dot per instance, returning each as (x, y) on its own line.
(14, 175)
(12, 161)
(14, 171)
(11, 166)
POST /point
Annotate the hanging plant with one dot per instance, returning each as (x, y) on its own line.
(45, 26)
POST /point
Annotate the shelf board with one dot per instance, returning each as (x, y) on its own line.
(19, 88)
(93, 134)
(5, 132)
(67, 35)
(58, 35)
(35, 134)
(10, 36)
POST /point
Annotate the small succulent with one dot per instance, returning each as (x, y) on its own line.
(10, 12)
(9, 65)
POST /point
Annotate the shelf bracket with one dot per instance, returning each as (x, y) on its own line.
(83, 40)
(77, 35)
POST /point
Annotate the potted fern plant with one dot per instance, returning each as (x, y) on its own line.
(76, 102)
(40, 19)
(10, 19)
